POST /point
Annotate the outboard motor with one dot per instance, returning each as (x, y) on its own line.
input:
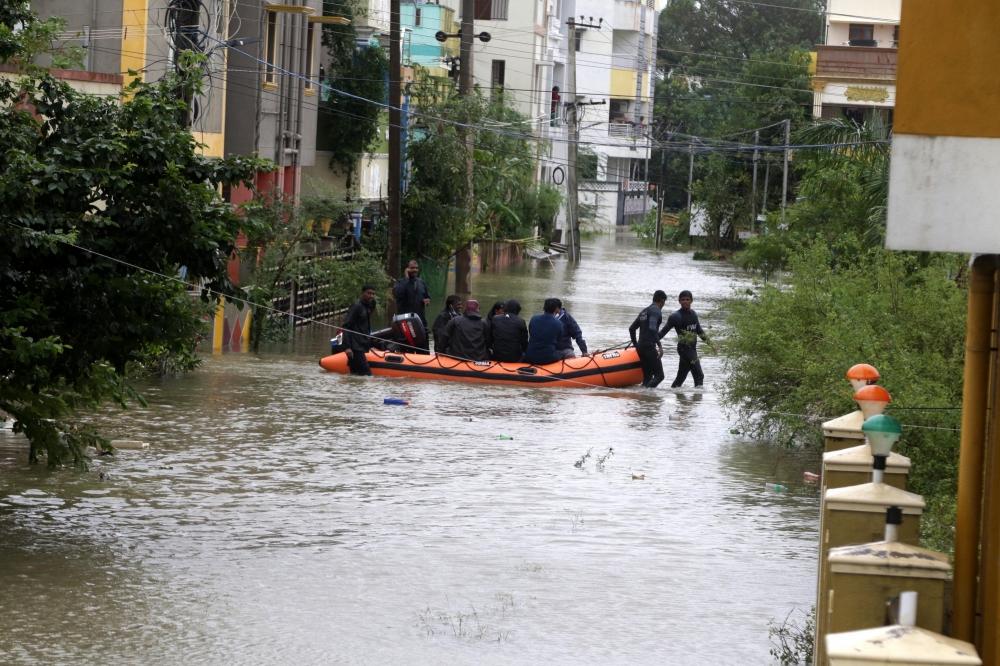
(409, 332)
(406, 332)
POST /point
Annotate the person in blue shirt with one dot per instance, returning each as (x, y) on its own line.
(544, 331)
(571, 331)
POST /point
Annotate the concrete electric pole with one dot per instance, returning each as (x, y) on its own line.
(573, 118)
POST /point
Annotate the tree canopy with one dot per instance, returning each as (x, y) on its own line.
(727, 68)
(437, 219)
(104, 202)
(348, 122)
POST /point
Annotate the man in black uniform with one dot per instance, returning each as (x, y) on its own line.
(685, 322)
(357, 330)
(648, 345)
(467, 337)
(509, 333)
(452, 309)
(411, 295)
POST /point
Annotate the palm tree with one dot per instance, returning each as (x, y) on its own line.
(866, 146)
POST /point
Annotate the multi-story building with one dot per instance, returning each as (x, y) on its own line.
(259, 86)
(272, 98)
(141, 36)
(529, 58)
(855, 69)
(420, 21)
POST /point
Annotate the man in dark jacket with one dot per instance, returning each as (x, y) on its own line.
(411, 293)
(648, 344)
(685, 322)
(544, 331)
(452, 309)
(467, 337)
(509, 333)
(571, 331)
(357, 330)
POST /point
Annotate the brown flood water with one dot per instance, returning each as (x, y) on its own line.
(283, 515)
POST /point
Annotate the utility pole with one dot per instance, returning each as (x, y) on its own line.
(463, 256)
(753, 196)
(392, 265)
(572, 196)
(662, 189)
(784, 170)
(767, 176)
(573, 108)
(690, 173)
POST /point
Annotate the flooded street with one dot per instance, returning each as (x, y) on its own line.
(285, 515)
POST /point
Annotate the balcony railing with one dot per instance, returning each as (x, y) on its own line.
(626, 130)
(856, 62)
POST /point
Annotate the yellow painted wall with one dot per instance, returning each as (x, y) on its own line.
(133, 57)
(949, 56)
(217, 325)
(623, 83)
(214, 143)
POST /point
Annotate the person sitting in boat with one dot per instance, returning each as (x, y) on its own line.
(467, 337)
(357, 330)
(571, 331)
(495, 311)
(509, 333)
(452, 309)
(544, 331)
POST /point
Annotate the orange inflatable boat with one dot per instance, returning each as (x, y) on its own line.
(618, 367)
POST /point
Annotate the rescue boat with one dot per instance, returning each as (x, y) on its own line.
(617, 367)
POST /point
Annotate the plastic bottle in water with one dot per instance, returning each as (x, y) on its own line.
(505, 437)
(395, 401)
(775, 487)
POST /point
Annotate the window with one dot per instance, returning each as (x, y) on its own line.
(310, 70)
(895, 36)
(416, 17)
(497, 75)
(270, 47)
(491, 10)
(577, 38)
(861, 34)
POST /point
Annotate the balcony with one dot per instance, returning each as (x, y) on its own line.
(856, 63)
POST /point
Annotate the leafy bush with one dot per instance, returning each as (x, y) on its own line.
(900, 312)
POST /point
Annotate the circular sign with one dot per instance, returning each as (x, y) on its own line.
(558, 175)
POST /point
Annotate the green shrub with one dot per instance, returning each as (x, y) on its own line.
(790, 344)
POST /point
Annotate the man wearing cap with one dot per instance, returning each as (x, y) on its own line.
(467, 337)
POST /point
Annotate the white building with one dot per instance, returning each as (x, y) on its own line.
(856, 66)
(528, 56)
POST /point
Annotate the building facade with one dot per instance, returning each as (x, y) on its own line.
(614, 46)
(272, 99)
(855, 69)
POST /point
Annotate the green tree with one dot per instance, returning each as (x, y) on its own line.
(348, 123)
(103, 202)
(729, 67)
(790, 343)
(436, 219)
(842, 193)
